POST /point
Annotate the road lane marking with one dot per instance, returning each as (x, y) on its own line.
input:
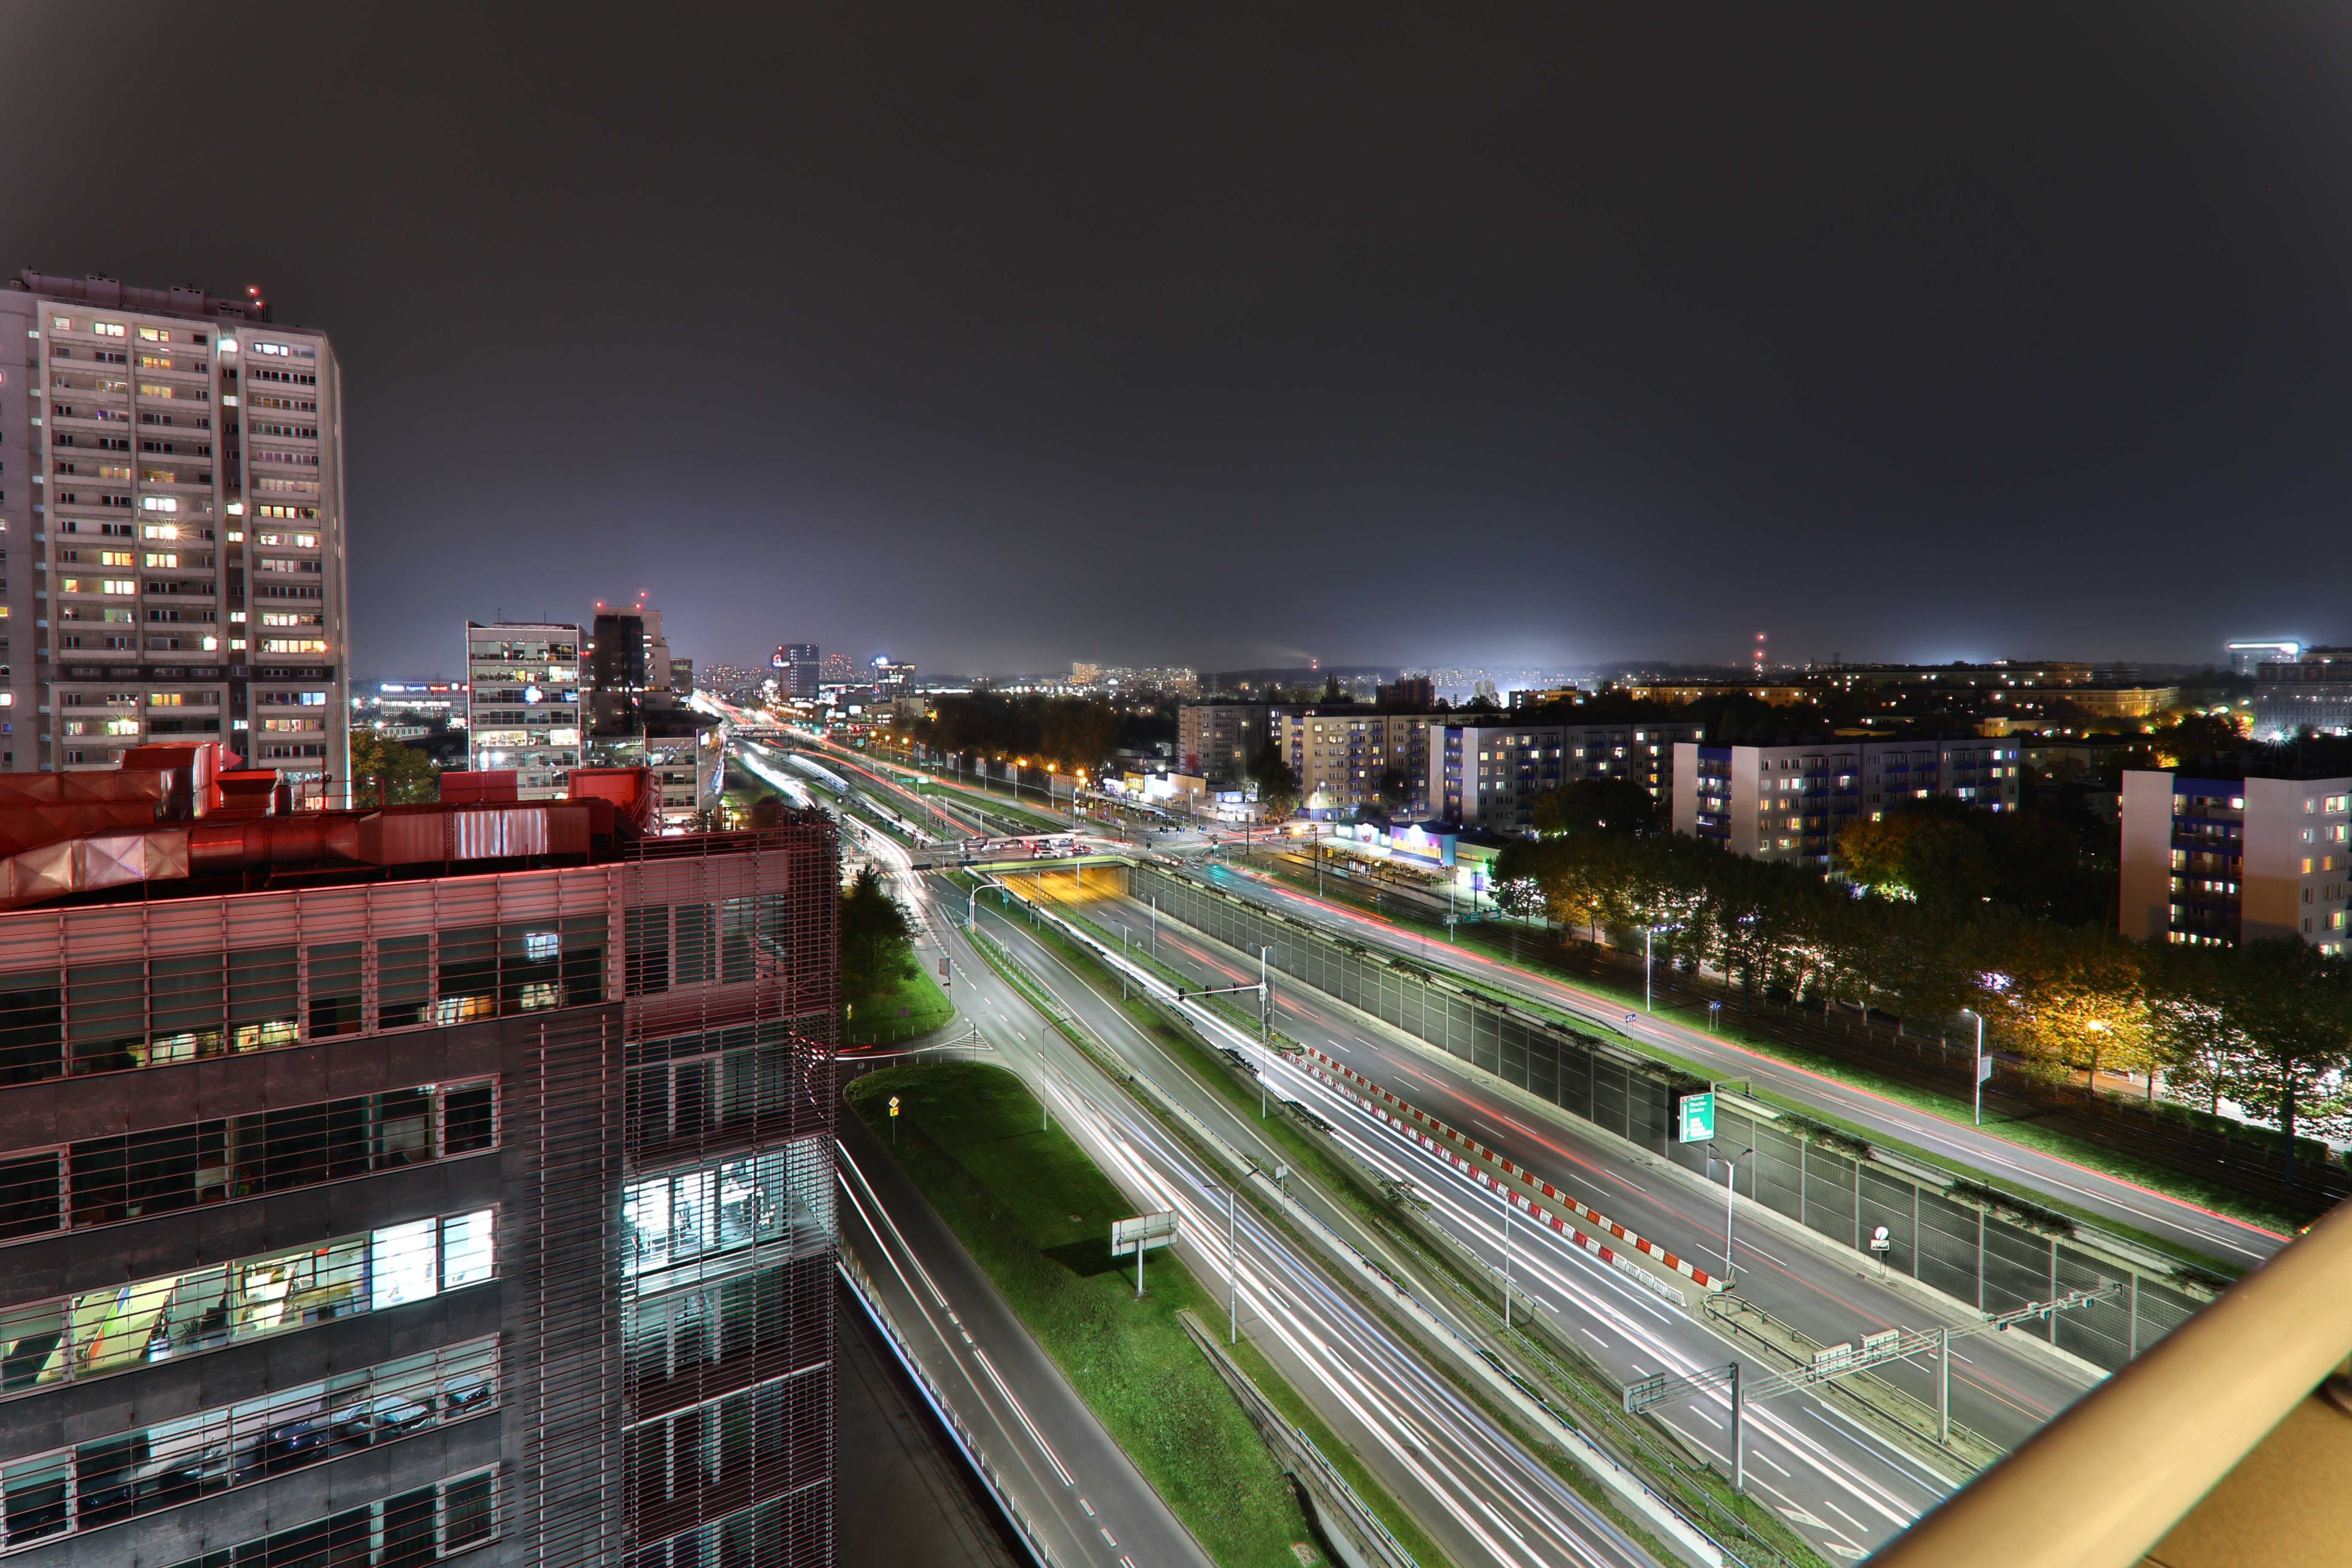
(1026, 1425)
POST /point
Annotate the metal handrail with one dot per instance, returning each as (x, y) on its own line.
(2110, 1478)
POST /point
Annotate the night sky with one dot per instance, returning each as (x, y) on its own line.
(1223, 336)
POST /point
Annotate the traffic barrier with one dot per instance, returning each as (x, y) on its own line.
(1419, 1124)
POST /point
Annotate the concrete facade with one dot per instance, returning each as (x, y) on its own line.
(1788, 803)
(172, 492)
(1218, 740)
(2223, 861)
(1489, 774)
(524, 708)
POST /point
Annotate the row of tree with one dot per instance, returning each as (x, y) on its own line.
(2267, 1025)
(1069, 732)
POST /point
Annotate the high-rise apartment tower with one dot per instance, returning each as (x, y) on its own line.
(171, 531)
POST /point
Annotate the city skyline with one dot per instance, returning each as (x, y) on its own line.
(1586, 340)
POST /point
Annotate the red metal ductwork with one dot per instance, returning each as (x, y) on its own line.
(62, 834)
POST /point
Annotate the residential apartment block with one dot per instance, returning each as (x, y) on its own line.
(171, 531)
(1218, 740)
(1342, 754)
(523, 709)
(389, 1186)
(2224, 861)
(1489, 775)
(1788, 803)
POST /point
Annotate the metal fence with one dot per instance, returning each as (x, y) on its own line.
(1971, 1251)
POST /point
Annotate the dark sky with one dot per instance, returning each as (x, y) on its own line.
(995, 337)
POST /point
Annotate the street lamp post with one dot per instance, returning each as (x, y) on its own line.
(1506, 1196)
(1976, 1069)
(1730, 1186)
(1265, 999)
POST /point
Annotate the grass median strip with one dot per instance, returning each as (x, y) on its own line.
(1036, 1214)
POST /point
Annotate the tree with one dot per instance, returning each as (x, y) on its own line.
(1917, 855)
(2197, 1016)
(1519, 897)
(1596, 805)
(1395, 792)
(1276, 782)
(2297, 1009)
(2080, 999)
(390, 771)
(877, 939)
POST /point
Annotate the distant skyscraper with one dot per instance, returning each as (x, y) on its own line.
(628, 657)
(172, 480)
(799, 669)
(837, 670)
(892, 676)
(523, 708)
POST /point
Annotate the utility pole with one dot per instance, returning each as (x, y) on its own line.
(1265, 1000)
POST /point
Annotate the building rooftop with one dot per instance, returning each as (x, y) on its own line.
(96, 289)
(178, 821)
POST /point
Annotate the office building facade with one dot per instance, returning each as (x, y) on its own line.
(1490, 775)
(2217, 862)
(523, 709)
(626, 664)
(799, 669)
(1788, 803)
(470, 1200)
(1218, 740)
(171, 493)
(2309, 690)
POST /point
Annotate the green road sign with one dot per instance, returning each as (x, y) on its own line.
(1696, 1116)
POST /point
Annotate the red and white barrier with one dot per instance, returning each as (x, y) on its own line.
(1440, 1139)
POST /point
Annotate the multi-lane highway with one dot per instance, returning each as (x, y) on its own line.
(1470, 1483)
(1840, 1486)
(2001, 1389)
(2124, 1203)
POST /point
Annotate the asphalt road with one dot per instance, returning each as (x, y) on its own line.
(1839, 1485)
(2124, 1203)
(902, 1493)
(1470, 1483)
(1075, 1487)
(2003, 1391)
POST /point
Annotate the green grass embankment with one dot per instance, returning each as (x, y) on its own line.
(898, 1009)
(1036, 1214)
